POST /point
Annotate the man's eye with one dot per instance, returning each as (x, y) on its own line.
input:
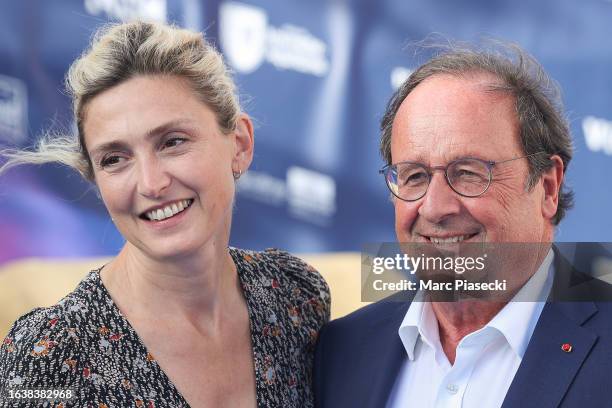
(174, 141)
(414, 178)
(469, 175)
(463, 172)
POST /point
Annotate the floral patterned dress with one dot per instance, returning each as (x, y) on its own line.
(85, 344)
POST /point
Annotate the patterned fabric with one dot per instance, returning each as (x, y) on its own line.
(84, 343)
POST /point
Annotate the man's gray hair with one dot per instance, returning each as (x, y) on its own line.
(543, 126)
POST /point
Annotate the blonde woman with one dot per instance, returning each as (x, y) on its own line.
(177, 318)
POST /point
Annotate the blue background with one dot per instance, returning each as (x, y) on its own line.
(316, 76)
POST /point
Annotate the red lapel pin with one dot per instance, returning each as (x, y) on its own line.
(566, 347)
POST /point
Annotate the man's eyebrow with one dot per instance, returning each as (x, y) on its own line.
(467, 155)
(159, 130)
(421, 158)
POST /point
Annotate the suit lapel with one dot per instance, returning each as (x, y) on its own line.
(546, 370)
(383, 354)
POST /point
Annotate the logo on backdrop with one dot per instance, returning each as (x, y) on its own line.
(598, 134)
(248, 40)
(13, 110)
(243, 35)
(126, 10)
(308, 195)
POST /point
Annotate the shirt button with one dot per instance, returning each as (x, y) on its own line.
(452, 388)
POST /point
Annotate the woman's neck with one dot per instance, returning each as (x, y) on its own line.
(196, 289)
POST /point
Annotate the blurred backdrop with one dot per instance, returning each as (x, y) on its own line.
(315, 75)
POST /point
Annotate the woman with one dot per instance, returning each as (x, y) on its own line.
(177, 318)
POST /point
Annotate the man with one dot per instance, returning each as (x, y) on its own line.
(498, 114)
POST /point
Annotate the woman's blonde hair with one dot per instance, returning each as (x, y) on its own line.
(119, 52)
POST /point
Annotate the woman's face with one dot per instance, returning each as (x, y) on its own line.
(163, 166)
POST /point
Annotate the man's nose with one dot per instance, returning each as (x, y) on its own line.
(153, 179)
(440, 201)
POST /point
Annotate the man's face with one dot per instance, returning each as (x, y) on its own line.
(446, 118)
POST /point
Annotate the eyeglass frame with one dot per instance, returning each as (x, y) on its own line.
(430, 169)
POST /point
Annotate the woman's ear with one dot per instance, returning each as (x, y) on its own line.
(244, 144)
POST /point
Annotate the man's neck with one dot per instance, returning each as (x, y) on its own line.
(458, 319)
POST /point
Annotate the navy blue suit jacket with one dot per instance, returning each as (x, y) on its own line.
(359, 356)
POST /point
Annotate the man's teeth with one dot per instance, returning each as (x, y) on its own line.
(448, 240)
(168, 211)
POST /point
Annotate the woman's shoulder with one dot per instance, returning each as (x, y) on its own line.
(39, 351)
(42, 347)
(73, 310)
(281, 265)
(286, 271)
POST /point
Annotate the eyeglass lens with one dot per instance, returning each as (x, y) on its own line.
(468, 177)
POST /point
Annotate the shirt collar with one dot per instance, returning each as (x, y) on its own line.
(516, 321)
(419, 320)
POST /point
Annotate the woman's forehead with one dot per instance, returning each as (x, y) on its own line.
(141, 106)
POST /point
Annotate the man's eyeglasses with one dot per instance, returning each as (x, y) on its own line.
(468, 177)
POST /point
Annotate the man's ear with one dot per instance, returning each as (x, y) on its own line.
(243, 144)
(551, 181)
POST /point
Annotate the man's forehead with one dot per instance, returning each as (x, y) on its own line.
(448, 117)
(472, 93)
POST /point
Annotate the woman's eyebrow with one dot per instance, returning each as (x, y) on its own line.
(164, 128)
(108, 146)
(150, 134)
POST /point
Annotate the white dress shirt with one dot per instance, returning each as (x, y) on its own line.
(485, 362)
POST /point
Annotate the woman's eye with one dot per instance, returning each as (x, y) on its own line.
(110, 161)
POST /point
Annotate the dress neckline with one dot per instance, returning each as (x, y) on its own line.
(237, 258)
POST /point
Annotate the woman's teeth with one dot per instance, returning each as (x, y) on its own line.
(168, 211)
